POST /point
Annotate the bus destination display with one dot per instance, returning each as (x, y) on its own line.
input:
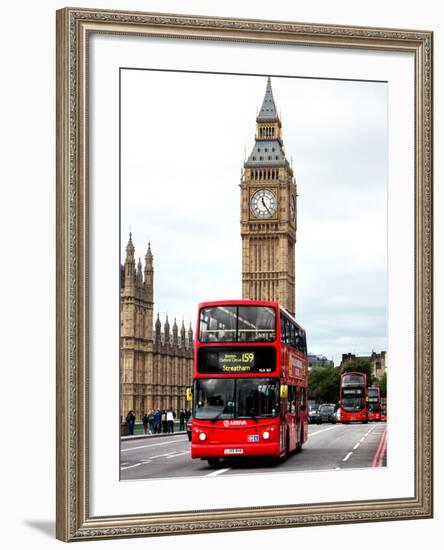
(236, 361)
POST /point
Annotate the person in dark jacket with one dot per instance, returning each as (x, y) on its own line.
(151, 422)
(130, 420)
(157, 421)
(164, 422)
(145, 421)
(181, 419)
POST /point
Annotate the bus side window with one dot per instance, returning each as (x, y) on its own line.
(287, 331)
(302, 399)
(291, 399)
(292, 335)
(303, 343)
(282, 328)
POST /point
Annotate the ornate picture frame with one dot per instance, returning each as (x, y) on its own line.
(74, 28)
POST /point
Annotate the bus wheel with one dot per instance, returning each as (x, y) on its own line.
(213, 461)
(299, 444)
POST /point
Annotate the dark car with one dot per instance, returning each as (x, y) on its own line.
(189, 427)
(327, 413)
(313, 414)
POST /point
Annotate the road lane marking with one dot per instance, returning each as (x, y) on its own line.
(348, 456)
(145, 446)
(322, 431)
(218, 472)
(161, 456)
(356, 446)
(377, 461)
(133, 466)
(178, 454)
(383, 451)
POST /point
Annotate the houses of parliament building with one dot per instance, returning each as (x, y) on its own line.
(156, 363)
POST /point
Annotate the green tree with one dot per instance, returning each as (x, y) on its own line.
(360, 365)
(382, 383)
(323, 384)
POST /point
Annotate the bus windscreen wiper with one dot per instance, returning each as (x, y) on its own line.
(218, 415)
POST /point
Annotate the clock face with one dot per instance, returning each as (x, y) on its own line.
(263, 203)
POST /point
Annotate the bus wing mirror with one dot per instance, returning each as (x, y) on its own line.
(189, 394)
(284, 391)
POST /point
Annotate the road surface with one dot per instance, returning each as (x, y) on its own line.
(329, 447)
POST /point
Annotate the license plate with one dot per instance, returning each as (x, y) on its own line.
(233, 451)
(253, 438)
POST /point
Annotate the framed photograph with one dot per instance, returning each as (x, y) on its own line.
(244, 251)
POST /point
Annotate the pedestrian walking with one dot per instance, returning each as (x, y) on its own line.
(157, 422)
(181, 420)
(145, 421)
(170, 421)
(151, 421)
(130, 420)
(164, 422)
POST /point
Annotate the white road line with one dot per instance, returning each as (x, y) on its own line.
(348, 456)
(356, 446)
(218, 472)
(322, 431)
(161, 456)
(150, 445)
(178, 454)
(361, 440)
(133, 466)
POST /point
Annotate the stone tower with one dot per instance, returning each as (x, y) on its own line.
(156, 367)
(268, 214)
(136, 332)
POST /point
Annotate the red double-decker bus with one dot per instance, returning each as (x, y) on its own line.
(353, 397)
(374, 404)
(250, 382)
(383, 409)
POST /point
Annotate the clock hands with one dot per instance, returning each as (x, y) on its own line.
(266, 207)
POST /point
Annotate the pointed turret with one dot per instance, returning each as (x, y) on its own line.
(175, 332)
(166, 331)
(182, 334)
(149, 274)
(148, 259)
(268, 110)
(268, 150)
(158, 328)
(130, 265)
(190, 336)
(139, 275)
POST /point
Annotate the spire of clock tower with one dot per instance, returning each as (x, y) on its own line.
(268, 213)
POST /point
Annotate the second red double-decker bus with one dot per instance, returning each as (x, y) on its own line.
(353, 396)
(374, 404)
(250, 381)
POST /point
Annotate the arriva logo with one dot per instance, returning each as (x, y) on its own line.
(235, 422)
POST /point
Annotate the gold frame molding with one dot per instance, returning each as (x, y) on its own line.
(73, 520)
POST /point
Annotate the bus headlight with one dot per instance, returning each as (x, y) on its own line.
(202, 436)
(266, 435)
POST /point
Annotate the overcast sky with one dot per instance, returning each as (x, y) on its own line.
(183, 139)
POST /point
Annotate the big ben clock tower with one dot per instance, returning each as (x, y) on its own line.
(268, 214)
